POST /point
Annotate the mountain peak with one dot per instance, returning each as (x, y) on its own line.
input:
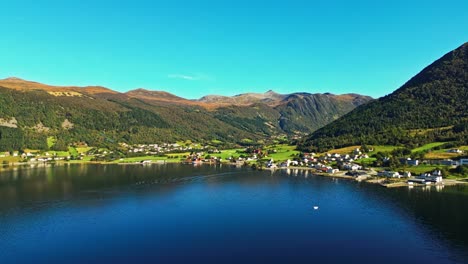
(13, 79)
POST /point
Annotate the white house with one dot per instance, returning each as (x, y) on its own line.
(435, 176)
(357, 151)
(463, 161)
(330, 170)
(352, 167)
(390, 174)
(412, 162)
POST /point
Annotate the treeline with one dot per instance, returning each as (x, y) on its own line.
(432, 106)
(105, 122)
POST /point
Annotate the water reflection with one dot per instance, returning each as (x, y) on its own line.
(261, 209)
(20, 186)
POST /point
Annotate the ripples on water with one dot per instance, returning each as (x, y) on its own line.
(179, 213)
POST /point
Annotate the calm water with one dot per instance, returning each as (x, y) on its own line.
(179, 213)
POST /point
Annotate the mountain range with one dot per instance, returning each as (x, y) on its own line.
(431, 106)
(32, 112)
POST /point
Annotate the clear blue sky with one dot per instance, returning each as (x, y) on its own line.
(194, 48)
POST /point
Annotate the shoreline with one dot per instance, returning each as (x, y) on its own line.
(369, 178)
(373, 180)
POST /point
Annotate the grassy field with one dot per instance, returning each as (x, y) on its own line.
(382, 148)
(9, 159)
(416, 132)
(428, 146)
(83, 149)
(31, 150)
(73, 151)
(59, 153)
(283, 152)
(227, 153)
(345, 150)
(367, 161)
(416, 170)
(376, 148)
(441, 154)
(173, 158)
(51, 141)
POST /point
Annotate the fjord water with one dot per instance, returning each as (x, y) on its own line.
(180, 213)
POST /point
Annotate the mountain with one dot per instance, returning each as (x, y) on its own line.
(271, 113)
(431, 106)
(271, 98)
(24, 85)
(31, 112)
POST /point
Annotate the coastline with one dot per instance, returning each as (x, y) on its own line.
(373, 180)
(369, 177)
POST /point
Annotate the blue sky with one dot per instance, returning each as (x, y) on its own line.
(195, 48)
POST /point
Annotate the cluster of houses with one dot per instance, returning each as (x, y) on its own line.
(322, 164)
(394, 174)
(199, 157)
(424, 178)
(154, 149)
(427, 178)
(357, 154)
(37, 157)
(444, 162)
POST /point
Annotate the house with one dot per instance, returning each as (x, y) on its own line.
(416, 180)
(447, 162)
(454, 151)
(332, 171)
(406, 174)
(434, 177)
(319, 166)
(355, 173)
(351, 166)
(272, 165)
(463, 162)
(389, 174)
(294, 163)
(409, 161)
(430, 178)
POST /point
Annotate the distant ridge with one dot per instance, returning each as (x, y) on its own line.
(30, 112)
(21, 84)
(270, 97)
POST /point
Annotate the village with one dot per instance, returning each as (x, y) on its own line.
(356, 164)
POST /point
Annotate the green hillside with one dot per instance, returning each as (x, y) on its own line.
(430, 107)
(32, 112)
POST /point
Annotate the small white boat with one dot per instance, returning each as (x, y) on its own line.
(315, 207)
